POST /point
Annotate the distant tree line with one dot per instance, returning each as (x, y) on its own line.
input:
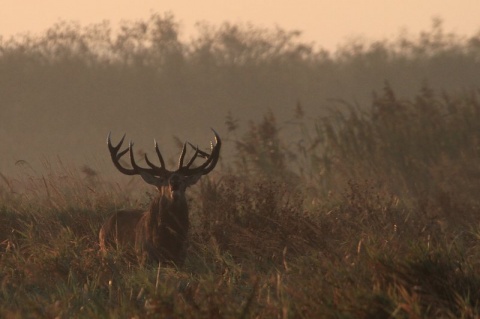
(77, 82)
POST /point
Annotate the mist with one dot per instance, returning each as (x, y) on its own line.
(63, 91)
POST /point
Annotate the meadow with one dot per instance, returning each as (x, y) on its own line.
(366, 212)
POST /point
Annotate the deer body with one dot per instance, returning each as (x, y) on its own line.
(159, 234)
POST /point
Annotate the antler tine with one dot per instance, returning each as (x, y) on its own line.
(200, 152)
(212, 159)
(132, 158)
(153, 170)
(190, 162)
(215, 155)
(160, 158)
(153, 166)
(162, 171)
(117, 147)
(116, 156)
(119, 155)
(182, 156)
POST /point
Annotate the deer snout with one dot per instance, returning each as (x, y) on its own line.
(175, 190)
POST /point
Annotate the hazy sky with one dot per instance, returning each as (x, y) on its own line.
(325, 22)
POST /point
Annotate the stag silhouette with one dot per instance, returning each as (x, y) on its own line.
(160, 233)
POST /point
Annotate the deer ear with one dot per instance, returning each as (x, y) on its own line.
(152, 180)
(191, 180)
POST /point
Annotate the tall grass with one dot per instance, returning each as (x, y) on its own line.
(361, 214)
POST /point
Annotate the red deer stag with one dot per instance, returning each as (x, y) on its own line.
(160, 233)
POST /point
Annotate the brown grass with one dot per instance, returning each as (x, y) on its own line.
(360, 234)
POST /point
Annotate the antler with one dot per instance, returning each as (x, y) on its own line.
(161, 171)
(116, 156)
(209, 164)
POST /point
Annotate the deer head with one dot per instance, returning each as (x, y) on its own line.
(160, 233)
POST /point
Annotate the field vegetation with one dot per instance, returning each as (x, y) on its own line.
(348, 185)
(365, 212)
